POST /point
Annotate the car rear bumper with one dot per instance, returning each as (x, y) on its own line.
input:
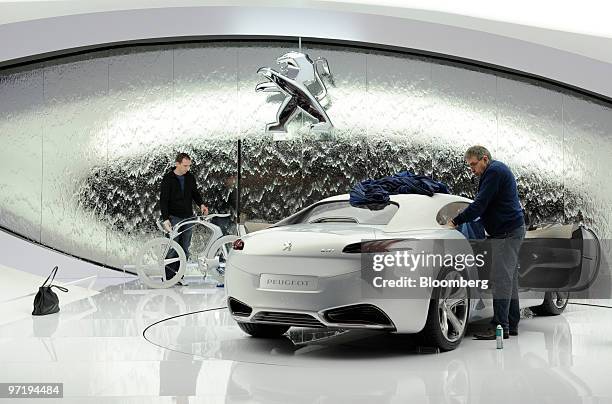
(336, 302)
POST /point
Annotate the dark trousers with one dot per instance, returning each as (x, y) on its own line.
(184, 240)
(225, 224)
(504, 277)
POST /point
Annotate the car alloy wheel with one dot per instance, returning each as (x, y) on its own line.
(559, 299)
(453, 309)
(554, 304)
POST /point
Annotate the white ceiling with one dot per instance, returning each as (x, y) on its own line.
(590, 17)
(581, 27)
(529, 33)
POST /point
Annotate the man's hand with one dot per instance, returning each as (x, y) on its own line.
(451, 224)
(167, 225)
(204, 209)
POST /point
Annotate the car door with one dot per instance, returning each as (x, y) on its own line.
(559, 258)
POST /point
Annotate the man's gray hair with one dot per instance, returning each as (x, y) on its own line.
(478, 151)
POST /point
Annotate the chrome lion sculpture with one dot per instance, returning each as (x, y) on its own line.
(298, 73)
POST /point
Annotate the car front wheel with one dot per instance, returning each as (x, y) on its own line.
(263, 330)
(448, 314)
(553, 305)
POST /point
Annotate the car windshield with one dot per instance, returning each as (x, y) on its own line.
(342, 212)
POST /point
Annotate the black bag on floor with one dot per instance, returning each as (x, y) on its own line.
(46, 301)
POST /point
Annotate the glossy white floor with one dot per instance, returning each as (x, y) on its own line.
(111, 345)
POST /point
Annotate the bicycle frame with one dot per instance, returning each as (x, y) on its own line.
(213, 257)
(182, 226)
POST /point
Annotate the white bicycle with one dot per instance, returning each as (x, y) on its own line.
(160, 252)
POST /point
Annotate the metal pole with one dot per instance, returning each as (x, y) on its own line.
(239, 181)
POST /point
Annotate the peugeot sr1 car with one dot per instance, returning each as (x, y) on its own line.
(306, 271)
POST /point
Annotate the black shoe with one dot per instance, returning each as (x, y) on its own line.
(489, 335)
(514, 333)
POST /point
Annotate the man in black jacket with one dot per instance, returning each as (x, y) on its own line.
(178, 191)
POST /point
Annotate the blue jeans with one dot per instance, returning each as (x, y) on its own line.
(504, 277)
(184, 240)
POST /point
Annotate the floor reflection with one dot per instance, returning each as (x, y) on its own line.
(96, 346)
(368, 366)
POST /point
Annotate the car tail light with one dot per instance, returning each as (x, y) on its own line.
(238, 244)
(371, 246)
(354, 248)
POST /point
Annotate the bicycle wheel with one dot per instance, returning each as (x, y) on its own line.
(153, 258)
(152, 307)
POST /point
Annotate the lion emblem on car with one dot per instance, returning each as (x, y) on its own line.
(299, 79)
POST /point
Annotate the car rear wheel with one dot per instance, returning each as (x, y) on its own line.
(553, 305)
(448, 314)
(263, 330)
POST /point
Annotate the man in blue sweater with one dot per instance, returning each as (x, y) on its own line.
(497, 205)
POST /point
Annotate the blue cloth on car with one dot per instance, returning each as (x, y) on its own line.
(374, 192)
(472, 230)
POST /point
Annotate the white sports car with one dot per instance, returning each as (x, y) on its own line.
(306, 271)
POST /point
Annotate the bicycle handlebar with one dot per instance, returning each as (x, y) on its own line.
(160, 226)
(215, 215)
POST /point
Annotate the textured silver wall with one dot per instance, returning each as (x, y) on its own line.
(21, 134)
(85, 140)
